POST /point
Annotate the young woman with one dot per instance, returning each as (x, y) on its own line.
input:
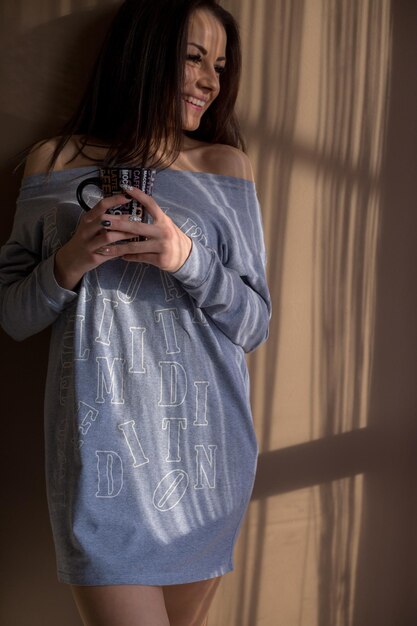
(150, 446)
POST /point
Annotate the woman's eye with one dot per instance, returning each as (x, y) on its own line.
(195, 58)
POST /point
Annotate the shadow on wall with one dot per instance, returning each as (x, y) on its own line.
(46, 69)
(274, 135)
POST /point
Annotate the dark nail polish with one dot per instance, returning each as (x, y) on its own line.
(106, 223)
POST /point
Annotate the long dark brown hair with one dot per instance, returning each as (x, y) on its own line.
(132, 103)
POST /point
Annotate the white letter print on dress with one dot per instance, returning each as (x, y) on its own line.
(109, 474)
(110, 379)
(81, 351)
(173, 383)
(86, 414)
(205, 466)
(198, 315)
(74, 350)
(131, 281)
(168, 317)
(174, 426)
(170, 489)
(134, 445)
(136, 362)
(106, 321)
(201, 387)
(172, 288)
(91, 286)
(191, 228)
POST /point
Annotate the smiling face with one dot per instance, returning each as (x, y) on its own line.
(206, 59)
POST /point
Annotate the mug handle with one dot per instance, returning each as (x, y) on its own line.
(80, 189)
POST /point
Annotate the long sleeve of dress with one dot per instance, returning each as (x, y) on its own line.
(233, 290)
(30, 297)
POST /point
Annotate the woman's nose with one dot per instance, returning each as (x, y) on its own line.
(209, 79)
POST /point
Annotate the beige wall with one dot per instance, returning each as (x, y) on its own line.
(329, 108)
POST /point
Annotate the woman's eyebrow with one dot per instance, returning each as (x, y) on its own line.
(204, 51)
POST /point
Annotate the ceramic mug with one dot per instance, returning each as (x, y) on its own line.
(109, 182)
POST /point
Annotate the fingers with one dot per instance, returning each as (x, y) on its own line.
(94, 220)
(157, 252)
(107, 238)
(123, 224)
(104, 205)
(97, 218)
(131, 248)
(166, 246)
(148, 202)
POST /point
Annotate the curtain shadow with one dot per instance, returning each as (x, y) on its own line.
(279, 95)
(275, 77)
(350, 134)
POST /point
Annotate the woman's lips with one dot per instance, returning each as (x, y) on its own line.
(194, 103)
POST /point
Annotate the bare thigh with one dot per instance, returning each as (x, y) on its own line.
(188, 604)
(121, 605)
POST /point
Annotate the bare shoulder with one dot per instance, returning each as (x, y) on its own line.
(71, 155)
(228, 161)
(37, 162)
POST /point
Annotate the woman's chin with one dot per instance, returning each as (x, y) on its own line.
(190, 126)
(190, 120)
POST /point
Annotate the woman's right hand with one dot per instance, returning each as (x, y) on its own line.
(79, 255)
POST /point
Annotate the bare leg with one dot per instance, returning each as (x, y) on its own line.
(121, 605)
(188, 604)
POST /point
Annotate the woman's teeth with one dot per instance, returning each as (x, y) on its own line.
(195, 101)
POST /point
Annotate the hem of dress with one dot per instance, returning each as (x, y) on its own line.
(159, 580)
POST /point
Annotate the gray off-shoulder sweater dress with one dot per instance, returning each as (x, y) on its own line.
(150, 446)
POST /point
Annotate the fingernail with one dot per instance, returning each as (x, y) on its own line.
(126, 187)
(103, 251)
(106, 223)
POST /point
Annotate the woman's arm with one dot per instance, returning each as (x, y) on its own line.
(239, 304)
(31, 298)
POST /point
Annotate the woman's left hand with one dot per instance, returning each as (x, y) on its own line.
(166, 246)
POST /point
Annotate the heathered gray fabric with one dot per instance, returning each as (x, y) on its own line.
(150, 447)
